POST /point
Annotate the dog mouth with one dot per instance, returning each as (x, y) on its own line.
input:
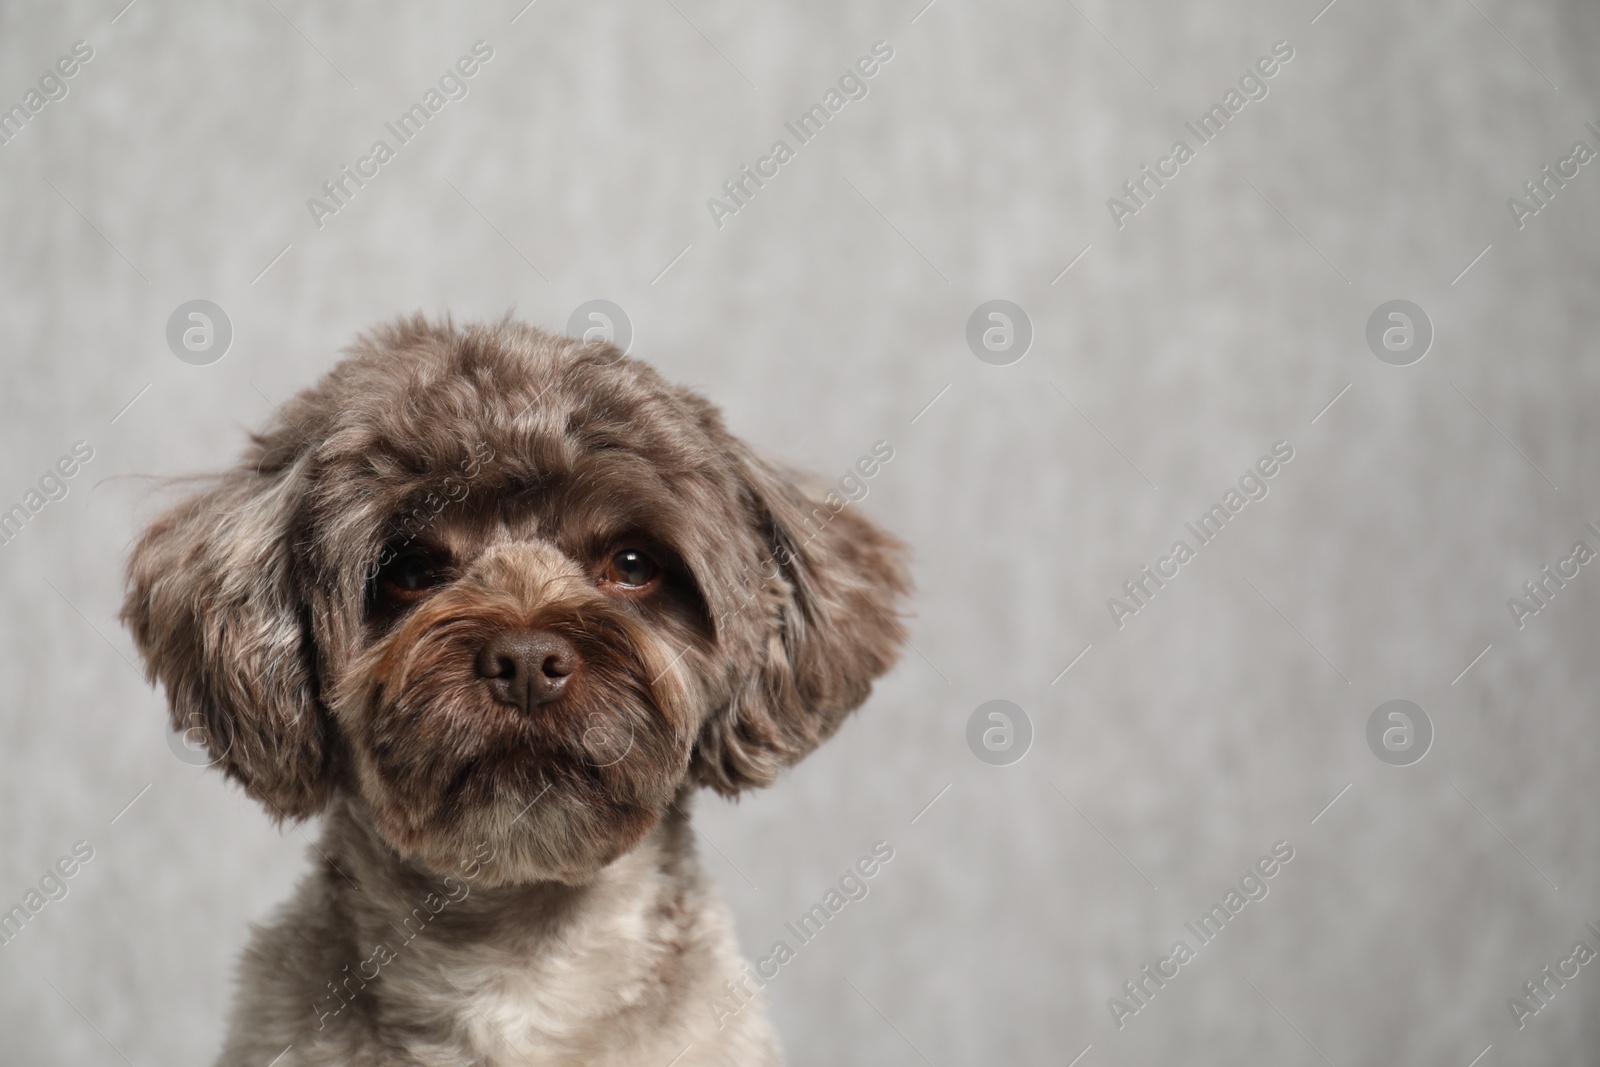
(560, 784)
(562, 814)
(600, 764)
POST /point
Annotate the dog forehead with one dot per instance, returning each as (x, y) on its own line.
(414, 422)
(467, 390)
(426, 403)
(467, 534)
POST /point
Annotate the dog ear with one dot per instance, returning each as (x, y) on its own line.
(211, 602)
(817, 618)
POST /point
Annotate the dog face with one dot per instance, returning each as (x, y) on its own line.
(510, 588)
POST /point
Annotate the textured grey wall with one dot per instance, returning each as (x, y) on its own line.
(1223, 316)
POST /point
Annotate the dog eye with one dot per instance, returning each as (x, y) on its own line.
(408, 577)
(631, 569)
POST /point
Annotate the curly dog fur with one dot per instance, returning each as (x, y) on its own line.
(494, 604)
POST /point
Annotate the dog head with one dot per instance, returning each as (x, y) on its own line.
(499, 586)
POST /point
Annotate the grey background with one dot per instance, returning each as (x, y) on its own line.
(823, 317)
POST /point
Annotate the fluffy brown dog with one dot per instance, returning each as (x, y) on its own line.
(496, 603)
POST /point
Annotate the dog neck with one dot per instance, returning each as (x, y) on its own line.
(379, 890)
(377, 953)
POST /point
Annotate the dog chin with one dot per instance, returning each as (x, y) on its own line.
(560, 834)
(449, 777)
(567, 843)
(522, 808)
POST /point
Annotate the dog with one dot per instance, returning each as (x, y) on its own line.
(495, 604)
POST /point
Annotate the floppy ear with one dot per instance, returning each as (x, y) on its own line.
(820, 620)
(212, 604)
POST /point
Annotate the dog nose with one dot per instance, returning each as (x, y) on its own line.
(525, 668)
